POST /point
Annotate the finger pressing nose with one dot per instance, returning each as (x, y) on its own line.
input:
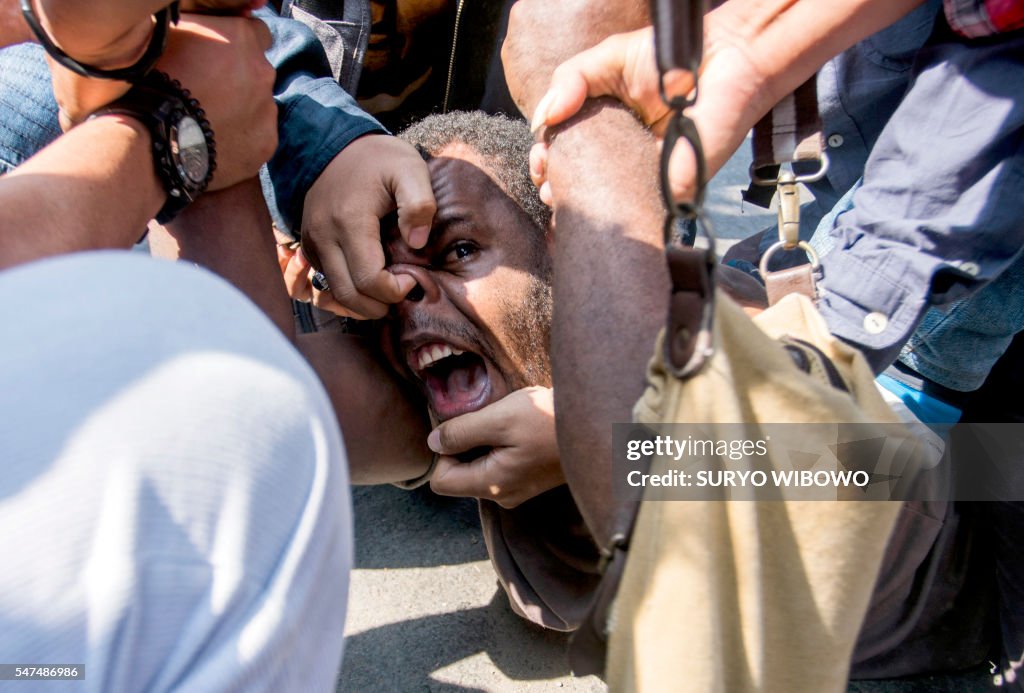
(425, 289)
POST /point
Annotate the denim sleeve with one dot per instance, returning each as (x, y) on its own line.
(939, 212)
(316, 117)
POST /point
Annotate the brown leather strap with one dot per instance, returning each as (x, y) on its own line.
(679, 44)
(691, 310)
(588, 648)
(794, 280)
(791, 131)
(679, 39)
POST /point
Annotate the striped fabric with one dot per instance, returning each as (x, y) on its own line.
(791, 131)
(979, 18)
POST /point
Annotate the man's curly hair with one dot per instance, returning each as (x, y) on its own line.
(504, 144)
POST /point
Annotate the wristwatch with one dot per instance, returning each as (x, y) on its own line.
(184, 151)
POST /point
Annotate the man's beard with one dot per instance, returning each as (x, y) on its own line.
(528, 325)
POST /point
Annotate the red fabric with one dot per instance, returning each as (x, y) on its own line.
(1005, 15)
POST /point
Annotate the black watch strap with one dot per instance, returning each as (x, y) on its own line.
(133, 73)
(160, 103)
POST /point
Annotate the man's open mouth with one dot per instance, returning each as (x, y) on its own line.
(456, 379)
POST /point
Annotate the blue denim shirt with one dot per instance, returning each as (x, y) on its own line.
(923, 264)
(858, 91)
(317, 118)
(937, 218)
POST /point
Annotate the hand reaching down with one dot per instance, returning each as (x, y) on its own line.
(341, 235)
(623, 67)
(221, 61)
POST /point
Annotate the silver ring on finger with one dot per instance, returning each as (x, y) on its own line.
(319, 282)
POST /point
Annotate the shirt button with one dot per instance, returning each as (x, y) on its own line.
(875, 323)
(835, 141)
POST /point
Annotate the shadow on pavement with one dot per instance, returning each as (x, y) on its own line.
(519, 650)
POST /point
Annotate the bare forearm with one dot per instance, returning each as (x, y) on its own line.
(229, 232)
(787, 41)
(93, 188)
(13, 28)
(382, 419)
(542, 34)
(610, 291)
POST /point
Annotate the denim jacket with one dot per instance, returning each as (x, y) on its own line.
(317, 117)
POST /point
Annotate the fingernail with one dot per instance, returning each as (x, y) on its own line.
(418, 236)
(545, 194)
(434, 441)
(536, 170)
(405, 283)
(540, 114)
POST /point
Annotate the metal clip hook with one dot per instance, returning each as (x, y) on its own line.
(789, 210)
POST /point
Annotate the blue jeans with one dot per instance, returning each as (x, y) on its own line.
(28, 111)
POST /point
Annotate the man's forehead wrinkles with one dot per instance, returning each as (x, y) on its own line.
(455, 196)
(452, 216)
(464, 171)
(446, 224)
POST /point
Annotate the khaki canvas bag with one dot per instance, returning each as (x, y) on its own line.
(750, 595)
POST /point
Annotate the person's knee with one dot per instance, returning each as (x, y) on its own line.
(194, 463)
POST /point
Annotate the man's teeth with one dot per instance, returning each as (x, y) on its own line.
(432, 354)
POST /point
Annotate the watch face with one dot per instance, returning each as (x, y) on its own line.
(188, 145)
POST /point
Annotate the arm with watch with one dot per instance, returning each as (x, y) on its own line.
(335, 174)
(93, 188)
(181, 153)
(113, 39)
(103, 46)
(220, 61)
(101, 175)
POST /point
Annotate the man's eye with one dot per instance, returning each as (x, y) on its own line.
(459, 252)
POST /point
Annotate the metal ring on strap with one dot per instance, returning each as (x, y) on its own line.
(816, 175)
(812, 255)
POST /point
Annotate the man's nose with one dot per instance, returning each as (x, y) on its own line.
(426, 288)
